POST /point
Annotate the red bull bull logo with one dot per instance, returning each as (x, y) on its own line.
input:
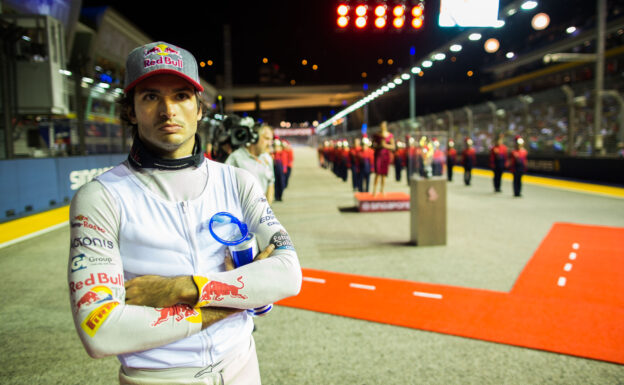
(162, 50)
(96, 295)
(214, 290)
(178, 313)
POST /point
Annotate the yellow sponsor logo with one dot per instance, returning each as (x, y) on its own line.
(92, 323)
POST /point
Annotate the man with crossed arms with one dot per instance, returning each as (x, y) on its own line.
(147, 281)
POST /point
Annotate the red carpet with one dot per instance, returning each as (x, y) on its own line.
(562, 302)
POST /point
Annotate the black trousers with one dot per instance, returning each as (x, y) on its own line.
(517, 183)
(467, 176)
(498, 174)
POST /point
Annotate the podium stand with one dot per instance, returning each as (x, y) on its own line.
(428, 211)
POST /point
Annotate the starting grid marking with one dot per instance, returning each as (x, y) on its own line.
(561, 282)
(362, 286)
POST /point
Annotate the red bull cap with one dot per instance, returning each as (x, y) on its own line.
(160, 58)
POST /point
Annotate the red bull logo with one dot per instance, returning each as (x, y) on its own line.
(162, 50)
(96, 295)
(214, 290)
(178, 313)
(99, 279)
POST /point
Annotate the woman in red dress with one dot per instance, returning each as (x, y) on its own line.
(383, 144)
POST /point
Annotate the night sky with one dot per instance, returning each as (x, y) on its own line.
(288, 31)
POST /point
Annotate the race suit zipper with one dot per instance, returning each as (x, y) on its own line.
(206, 353)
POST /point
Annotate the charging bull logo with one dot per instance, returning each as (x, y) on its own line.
(96, 295)
(178, 312)
(214, 290)
(164, 56)
(162, 50)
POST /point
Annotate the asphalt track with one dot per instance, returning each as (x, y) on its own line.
(498, 276)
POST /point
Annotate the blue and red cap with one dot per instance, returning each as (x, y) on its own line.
(160, 58)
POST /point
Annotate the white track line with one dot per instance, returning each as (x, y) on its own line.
(427, 295)
(360, 286)
(561, 282)
(567, 267)
(316, 280)
(572, 255)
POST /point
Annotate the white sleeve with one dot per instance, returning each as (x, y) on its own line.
(266, 281)
(105, 324)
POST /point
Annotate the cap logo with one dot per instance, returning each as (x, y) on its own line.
(163, 58)
(162, 50)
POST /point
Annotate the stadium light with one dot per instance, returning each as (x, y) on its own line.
(528, 5)
(491, 45)
(540, 21)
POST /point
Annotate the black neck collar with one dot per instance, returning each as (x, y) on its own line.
(141, 157)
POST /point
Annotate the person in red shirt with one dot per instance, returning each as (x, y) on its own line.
(411, 160)
(400, 155)
(346, 161)
(356, 177)
(367, 163)
(469, 160)
(518, 165)
(278, 168)
(289, 158)
(438, 159)
(498, 162)
(451, 159)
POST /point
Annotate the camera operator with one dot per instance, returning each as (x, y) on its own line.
(254, 155)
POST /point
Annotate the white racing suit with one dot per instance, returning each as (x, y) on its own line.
(130, 222)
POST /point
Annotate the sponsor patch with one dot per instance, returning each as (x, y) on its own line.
(96, 295)
(178, 313)
(215, 291)
(92, 323)
(82, 221)
(99, 279)
(281, 240)
(91, 242)
(82, 261)
(267, 218)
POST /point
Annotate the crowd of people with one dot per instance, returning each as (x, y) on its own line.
(423, 157)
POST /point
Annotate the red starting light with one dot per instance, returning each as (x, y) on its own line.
(380, 10)
(360, 22)
(342, 21)
(342, 10)
(418, 15)
(398, 22)
(398, 10)
(417, 10)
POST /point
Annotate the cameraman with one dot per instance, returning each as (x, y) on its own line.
(254, 157)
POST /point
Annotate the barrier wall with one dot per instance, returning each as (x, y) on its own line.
(29, 186)
(597, 170)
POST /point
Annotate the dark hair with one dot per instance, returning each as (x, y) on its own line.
(126, 103)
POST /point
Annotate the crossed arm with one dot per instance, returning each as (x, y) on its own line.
(158, 291)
